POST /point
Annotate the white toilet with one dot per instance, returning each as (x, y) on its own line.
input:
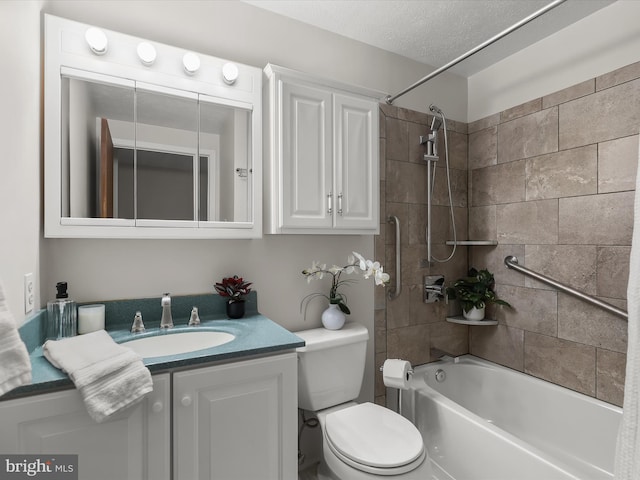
(359, 441)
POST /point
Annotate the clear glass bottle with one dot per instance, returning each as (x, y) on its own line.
(62, 315)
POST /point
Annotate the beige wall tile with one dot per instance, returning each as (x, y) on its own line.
(409, 343)
(458, 181)
(528, 222)
(565, 363)
(533, 310)
(621, 75)
(406, 182)
(397, 139)
(441, 228)
(499, 344)
(617, 164)
(492, 258)
(483, 148)
(458, 150)
(573, 265)
(528, 136)
(490, 121)
(590, 325)
(563, 174)
(576, 91)
(400, 210)
(613, 271)
(596, 219)
(380, 330)
(610, 376)
(605, 115)
(521, 110)
(383, 159)
(482, 223)
(449, 337)
(504, 183)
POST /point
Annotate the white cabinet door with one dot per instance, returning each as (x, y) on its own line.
(237, 421)
(306, 157)
(356, 162)
(322, 172)
(132, 446)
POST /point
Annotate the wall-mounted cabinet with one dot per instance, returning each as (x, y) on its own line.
(145, 140)
(321, 156)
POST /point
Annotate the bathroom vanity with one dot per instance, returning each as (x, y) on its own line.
(228, 412)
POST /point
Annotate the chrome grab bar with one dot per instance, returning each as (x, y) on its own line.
(512, 262)
(394, 292)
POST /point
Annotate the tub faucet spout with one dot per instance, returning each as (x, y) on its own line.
(445, 356)
(167, 320)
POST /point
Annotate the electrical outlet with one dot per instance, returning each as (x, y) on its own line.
(29, 293)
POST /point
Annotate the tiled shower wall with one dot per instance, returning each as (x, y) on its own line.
(406, 327)
(553, 182)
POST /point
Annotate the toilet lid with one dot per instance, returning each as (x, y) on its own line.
(373, 435)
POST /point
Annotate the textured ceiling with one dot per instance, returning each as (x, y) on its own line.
(436, 32)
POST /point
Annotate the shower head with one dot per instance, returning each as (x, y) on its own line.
(435, 124)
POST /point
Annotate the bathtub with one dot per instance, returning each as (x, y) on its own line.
(482, 421)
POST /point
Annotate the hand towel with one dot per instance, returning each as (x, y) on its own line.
(627, 459)
(108, 376)
(15, 366)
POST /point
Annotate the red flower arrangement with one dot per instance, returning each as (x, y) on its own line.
(235, 288)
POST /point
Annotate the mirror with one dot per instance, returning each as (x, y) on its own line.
(135, 158)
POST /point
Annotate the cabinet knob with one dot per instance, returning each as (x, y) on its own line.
(186, 400)
(157, 407)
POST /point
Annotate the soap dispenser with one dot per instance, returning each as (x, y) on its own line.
(62, 315)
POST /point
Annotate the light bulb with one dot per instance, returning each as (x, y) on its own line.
(229, 73)
(191, 63)
(97, 40)
(146, 53)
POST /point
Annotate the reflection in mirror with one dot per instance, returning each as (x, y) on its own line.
(225, 141)
(140, 154)
(87, 147)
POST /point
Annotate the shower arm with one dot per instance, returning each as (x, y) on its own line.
(391, 98)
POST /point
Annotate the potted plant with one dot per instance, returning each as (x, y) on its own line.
(333, 317)
(234, 288)
(474, 292)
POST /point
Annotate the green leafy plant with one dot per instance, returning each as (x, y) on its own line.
(368, 268)
(475, 290)
(235, 288)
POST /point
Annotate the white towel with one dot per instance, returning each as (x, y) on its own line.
(627, 461)
(109, 376)
(15, 366)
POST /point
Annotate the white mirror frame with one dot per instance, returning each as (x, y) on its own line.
(65, 46)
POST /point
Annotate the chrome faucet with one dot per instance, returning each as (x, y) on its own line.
(166, 321)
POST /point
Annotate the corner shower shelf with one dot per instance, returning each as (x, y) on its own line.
(474, 243)
(463, 321)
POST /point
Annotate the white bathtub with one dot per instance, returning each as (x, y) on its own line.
(488, 422)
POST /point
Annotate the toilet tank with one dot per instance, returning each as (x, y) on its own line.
(331, 366)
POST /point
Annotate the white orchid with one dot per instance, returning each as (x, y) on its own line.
(368, 267)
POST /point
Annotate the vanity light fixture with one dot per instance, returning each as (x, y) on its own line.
(191, 63)
(229, 73)
(146, 53)
(97, 40)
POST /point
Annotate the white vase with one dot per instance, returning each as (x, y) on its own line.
(333, 318)
(474, 314)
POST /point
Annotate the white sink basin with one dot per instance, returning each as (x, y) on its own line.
(177, 343)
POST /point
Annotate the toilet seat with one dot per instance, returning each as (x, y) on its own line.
(374, 439)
